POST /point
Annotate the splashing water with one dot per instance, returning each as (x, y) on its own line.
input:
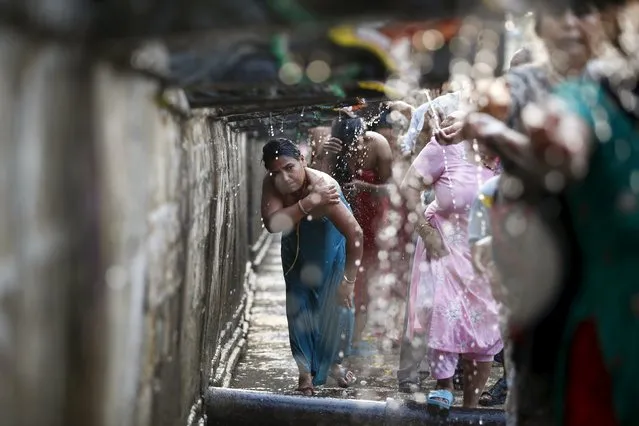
(271, 132)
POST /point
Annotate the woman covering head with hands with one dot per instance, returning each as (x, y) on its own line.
(596, 375)
(451, 309)
(321, 252)
(534, 264)
(361, 161)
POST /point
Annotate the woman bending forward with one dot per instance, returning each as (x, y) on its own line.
(321, 251)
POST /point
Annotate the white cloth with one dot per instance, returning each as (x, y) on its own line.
(445, 104)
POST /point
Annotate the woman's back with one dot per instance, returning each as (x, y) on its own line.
(456, 180)
(367, 155)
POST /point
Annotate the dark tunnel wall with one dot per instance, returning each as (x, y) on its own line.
(125, 242)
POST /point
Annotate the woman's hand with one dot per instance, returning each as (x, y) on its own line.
(433, 242)
(345, 293)
(324, 193)
(357, 186)
(556, 141)
(505, 142)
(493, 132)
(451, 131)
(450, 135)
(332, 146)
(559, 140)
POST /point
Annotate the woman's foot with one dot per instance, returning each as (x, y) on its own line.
(343, 377)
(496, 395)
(305, 385)
(439, 401)
(408, 386)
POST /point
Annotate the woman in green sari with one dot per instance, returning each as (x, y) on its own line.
(593, 131)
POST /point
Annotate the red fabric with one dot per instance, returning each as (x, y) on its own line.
(589, 387)
(369, 211)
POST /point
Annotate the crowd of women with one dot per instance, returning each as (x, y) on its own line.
(506, 219)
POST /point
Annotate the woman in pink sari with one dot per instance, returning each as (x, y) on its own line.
(451, 309)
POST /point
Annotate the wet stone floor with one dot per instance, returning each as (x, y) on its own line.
(267, 364)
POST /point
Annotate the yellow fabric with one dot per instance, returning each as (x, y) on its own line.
(345, 36)
(380, 87)
(486, 200)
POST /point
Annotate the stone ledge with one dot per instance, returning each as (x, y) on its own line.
(228, 353)
(261, 245)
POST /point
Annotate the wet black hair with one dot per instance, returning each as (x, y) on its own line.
(347, 131)
(280, 147)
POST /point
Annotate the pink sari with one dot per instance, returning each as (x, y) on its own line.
(450, 306)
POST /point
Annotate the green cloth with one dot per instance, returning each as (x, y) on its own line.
(605, 211)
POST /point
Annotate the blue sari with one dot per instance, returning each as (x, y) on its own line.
(319, 327)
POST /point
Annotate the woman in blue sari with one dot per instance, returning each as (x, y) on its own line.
(321, 252)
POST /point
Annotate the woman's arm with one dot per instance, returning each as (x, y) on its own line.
(346, 223)
(278, 218)
(411, 189)
(414, 184)
(557, 132)
(326, 154)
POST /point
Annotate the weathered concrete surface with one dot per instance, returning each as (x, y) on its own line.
(125, 235)
(268, 364)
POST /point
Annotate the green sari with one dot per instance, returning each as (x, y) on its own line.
(605, 212)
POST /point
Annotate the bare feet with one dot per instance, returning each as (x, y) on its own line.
(305, 385)
(343, 377)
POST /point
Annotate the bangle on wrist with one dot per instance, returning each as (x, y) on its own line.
(299, 204)
(348, 281)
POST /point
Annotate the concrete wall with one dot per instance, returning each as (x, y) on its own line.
(125, 242)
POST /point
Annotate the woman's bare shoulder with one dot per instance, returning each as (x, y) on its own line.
(376, 138)
(377, 141)
(315, 175)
